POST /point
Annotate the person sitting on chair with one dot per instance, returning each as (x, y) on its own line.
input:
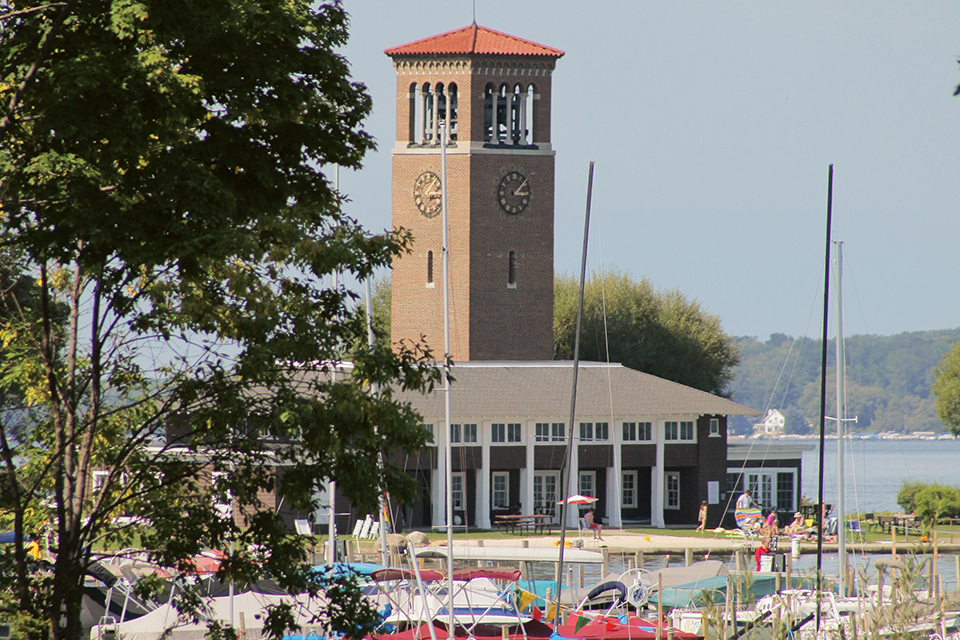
(592, 524)
(797, 527)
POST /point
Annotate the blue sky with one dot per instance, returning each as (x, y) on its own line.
(712, 125)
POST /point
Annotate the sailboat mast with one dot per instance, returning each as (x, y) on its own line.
(823, 391)
(565, 469)
(332, 484)
(841, 428)
(368, 293)
(446, 375)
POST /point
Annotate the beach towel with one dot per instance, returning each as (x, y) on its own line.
(749, 518)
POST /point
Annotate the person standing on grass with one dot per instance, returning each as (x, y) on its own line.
(702, 517)
(773, 526)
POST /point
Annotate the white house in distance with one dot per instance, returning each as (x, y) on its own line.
(771, 425)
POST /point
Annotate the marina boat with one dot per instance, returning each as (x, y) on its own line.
(480, 596)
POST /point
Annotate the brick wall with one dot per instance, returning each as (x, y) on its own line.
(488, 319)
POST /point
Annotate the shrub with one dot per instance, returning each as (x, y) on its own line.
(936, 501)
(907, 496)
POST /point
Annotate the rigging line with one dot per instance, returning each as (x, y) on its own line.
(747, 458)
(618, 468)
(856, 294)
(806, 329)
(753, 442)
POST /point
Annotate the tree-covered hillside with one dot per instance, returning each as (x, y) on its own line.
(888, 380)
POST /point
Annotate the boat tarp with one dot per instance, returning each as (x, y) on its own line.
(676, 576)
(614, 628)
(384, 575)
(692, 594)
(494, 574)
(341, 569)
(670, 577)
(531, 629)
(163, 622)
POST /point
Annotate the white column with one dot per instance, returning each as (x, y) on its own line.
(523, 118)
(435, 97)
(573, 512)
(613, 498)
(509, 116)
(484, 479)
(526, 474)
(440, 476)
(656, 480)
(614, 478)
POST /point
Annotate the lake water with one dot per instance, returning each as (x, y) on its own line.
(876, 469)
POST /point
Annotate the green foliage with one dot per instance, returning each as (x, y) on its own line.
(907, 495)
(888, 378)
(937, 501)
(165, 321)
(946, 388)
(795, 423)
(657, 332)
(382, 296)
(929, 501)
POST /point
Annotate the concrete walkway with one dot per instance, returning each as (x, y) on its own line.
(619, 542)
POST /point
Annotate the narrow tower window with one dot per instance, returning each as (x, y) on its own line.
(512, 270)
(429, 268)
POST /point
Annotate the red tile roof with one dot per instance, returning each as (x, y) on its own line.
(474, 40)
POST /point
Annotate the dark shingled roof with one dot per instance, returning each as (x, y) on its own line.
(542, 390)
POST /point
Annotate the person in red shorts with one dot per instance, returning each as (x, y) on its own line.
(592, 524)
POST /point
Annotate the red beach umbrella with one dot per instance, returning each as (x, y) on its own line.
(578, 499)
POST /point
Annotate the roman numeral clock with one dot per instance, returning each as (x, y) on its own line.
(514, 192)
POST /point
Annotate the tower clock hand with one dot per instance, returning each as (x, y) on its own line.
(520, 190)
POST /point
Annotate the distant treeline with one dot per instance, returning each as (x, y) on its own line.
(888, 380)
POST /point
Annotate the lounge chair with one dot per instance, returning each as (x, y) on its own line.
(853, 526)
(749, 520)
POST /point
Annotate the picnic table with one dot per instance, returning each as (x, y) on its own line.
(905, 522)
(521, 522)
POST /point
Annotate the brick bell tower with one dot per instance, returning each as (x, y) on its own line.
(491, 93)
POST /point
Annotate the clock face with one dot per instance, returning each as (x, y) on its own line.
(426, 193)
(514, 192)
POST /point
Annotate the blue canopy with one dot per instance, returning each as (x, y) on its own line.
(344, 569)
(7, 537)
